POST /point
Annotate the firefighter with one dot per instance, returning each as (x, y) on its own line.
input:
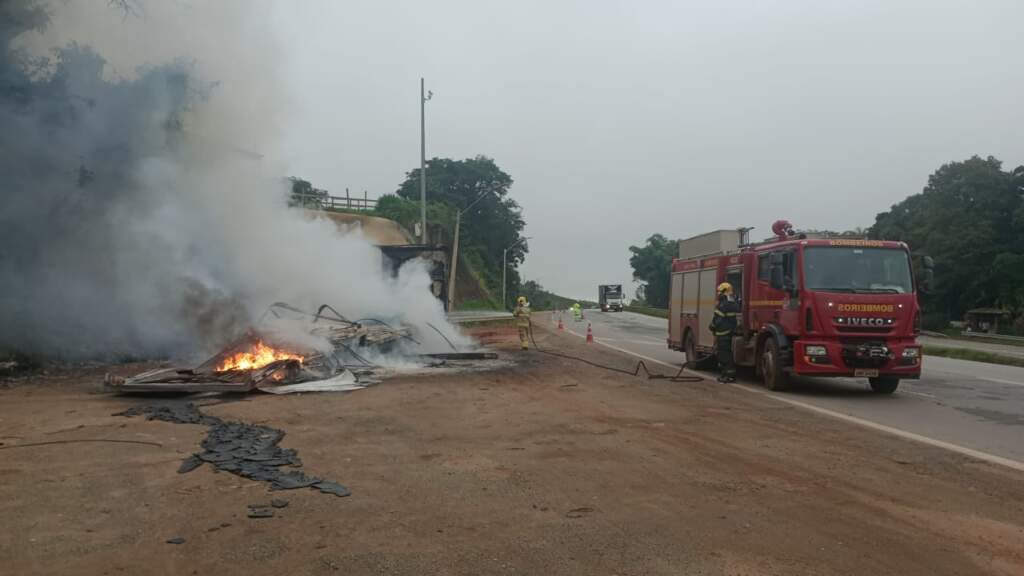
(522, 315)
(577, 312)
(723, 326)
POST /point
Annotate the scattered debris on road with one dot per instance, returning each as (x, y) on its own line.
(260, 511)
(246, 450)
(290, 353)
(578, 512)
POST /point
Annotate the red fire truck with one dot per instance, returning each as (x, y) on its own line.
(810, 306)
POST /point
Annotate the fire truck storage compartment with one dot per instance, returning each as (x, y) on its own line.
(717, 242)
(685, 299)
(706, 306)
(675, 323)
(691, 294)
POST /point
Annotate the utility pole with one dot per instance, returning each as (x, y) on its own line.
(455, 251)
(504, 269)
(424, 96)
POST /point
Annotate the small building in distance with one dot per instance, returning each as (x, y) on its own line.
(985, 319)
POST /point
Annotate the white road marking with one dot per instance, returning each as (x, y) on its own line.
(602, 342)
(963, 450)
(922, 394)
(1000, 381)
(977, 454)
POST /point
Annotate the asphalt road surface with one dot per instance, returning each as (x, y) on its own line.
(970, 407)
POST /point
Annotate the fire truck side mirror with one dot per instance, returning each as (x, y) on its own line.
(777, 280)
(927, 274)
(927, 280)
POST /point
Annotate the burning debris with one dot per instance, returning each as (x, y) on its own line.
(292, 350)
(257, 356)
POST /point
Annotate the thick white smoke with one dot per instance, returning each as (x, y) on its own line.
(147, 211)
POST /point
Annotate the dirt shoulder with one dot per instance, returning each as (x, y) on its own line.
(548, 467)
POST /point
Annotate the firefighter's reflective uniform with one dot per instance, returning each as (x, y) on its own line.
(522, 314)
(577, 312)
(724, 326)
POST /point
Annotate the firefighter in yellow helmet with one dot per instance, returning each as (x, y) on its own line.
(723, 326)
(522, 315)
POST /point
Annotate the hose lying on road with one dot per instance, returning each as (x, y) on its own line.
(636, 371)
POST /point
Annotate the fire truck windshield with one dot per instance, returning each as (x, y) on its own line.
(858, 270)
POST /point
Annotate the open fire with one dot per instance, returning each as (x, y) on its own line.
(261, 360)
(257, 356)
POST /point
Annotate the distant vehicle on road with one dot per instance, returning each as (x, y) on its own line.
(808, 306)
(609, 297)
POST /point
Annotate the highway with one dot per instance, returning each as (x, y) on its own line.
(970, 407)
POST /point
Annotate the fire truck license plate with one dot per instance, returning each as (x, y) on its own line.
(865, 373)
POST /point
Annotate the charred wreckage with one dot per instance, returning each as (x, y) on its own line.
(311, 352)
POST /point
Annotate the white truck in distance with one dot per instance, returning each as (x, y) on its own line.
(609, 297)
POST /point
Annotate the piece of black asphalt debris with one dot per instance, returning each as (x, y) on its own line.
(189, 464)
(278, 503)
(332, 488)
(176, 540)
(246, 450)
(260, 511)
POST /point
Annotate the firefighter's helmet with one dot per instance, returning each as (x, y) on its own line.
(725, 288)
(521, 300)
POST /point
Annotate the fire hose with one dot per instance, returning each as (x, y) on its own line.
(679, 377)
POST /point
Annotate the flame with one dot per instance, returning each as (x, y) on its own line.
(256, 357)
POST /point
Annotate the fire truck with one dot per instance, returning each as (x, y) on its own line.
(810, 305)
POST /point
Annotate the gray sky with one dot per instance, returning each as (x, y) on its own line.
(621, 119)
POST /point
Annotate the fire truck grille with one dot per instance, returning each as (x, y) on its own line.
(865, 354)
(863, 330)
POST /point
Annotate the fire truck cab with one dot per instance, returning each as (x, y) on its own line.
(809, 306)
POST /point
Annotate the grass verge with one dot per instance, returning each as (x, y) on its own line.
(974, 355)
(658, 312)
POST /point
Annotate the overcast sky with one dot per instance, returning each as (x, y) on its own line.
(621, 119)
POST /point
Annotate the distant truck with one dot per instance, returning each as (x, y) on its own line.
(809, 306)
(609, 297)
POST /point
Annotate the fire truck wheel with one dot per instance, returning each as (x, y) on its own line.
(884, 384)
(775, 378)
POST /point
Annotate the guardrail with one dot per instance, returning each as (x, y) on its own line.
(327, 202)
(993, 336)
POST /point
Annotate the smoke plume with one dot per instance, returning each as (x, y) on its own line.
(144, 210)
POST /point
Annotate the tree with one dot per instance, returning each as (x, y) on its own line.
(970, 219)
(541, 299)
(305, 194)
(651, 265)
(494, 223)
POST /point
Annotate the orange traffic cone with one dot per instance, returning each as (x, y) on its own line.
(560, 325)
(590, 334)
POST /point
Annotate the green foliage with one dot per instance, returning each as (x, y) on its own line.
(651, 265)
(648, 311)
(407, 212)
(476, 305)
(491, 225)
(970, 219)
(304, 194)
(855, 233)
(936, 321)
(974, 355)
(541, 299)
